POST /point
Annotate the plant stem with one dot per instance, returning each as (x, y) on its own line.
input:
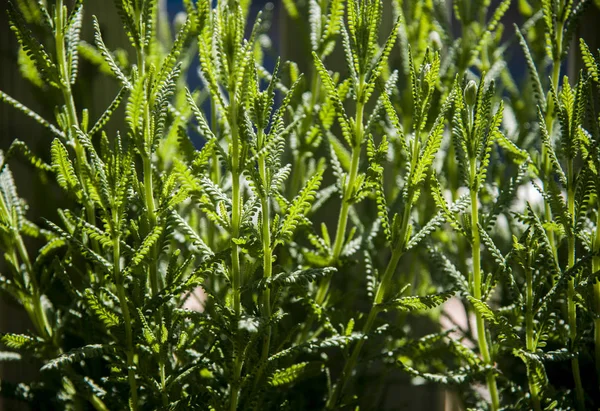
(325, 283)
(348, 188)
(155, 280)
(72, 119)
(549, 126)
(151, 211)
(147, 171)
(481, 334)
(267, 253)
(343, 217)
(595, 269)
(129, 341)
(572, 310)
(125, 310)
(347, 193)
(236, 208)
(352, 360)
(40, 317)
(98, 404)
(530, 342)
(36, 313)
(571, 306)
(382, 289)
(215, 173)
(384, 285)
(235, 232)
(266, 242)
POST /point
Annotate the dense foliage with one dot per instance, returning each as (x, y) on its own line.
(325, 218)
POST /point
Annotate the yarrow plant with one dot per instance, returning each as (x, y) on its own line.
(322, 220)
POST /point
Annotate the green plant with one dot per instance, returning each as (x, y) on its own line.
(421, 148)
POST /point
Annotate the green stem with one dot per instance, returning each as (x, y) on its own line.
(350, 364)
(147, 169)
(236, 213)
(129, 341)
(126, 316)
(348, 187)
(347, 194)
(382, 290)
(384, 285)
(267, 253)
(323, 289)
(151, 212)
(325, 283)
(215, 174)
(549, 126)
(481, 334)
(36, 313)
(595, 269)
(155, 280)
(72, 119)
(530, 341)
(572, 310)
(571, 306)
(149, 190)
(236, 210)
(98, 404)
(266, 240)
(343, 217)
(39, 314)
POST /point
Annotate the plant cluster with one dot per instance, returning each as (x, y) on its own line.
(423, 148)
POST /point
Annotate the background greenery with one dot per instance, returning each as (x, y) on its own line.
(289, 340)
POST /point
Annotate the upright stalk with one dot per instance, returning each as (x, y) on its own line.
(595, 269)
(571, 306)
(356, 150)
(236, 207)
(35, 310)
(382, 289)
(215, 173)
(155, 281)
(530, 341)
(151, 212)
(236, 213)
(397, 251)
(481, 335)
(549, 126)
(125, 310)
(266, 242)
(147, 167)
(65, 84)
(72, 119)
(325, 283)
(33, 306)
(347, 194)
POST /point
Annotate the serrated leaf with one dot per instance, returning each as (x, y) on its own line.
(63, 167)
(419, 303)
(108, 318)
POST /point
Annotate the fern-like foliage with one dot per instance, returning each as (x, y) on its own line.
(279, 234)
